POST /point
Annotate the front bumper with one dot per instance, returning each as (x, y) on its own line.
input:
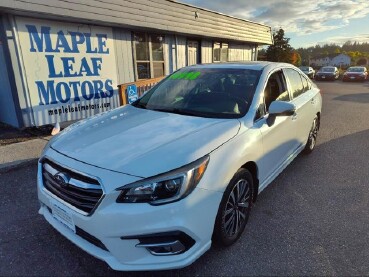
(194, 216)
(354, 78)
(325, 77)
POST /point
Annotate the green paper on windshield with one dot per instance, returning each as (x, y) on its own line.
(185, 75)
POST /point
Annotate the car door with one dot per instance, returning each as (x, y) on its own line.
(302, 98)
(279, 139)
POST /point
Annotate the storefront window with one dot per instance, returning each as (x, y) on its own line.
(143, 70)
(157, 47)
(149, 55)
(142, 47)
(158, 69)
(220, 52)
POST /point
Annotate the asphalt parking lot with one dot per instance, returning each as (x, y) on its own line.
(312, 220)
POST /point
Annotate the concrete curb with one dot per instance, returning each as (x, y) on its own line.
(21, 154)
(16, 165)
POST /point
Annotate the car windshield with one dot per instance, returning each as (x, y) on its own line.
(327, 69)
(355, 69)
(304, 68)
(203, 92)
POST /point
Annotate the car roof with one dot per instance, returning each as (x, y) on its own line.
(253, 65)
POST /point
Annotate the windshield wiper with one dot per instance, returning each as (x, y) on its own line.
(178, 111)
(139, 105)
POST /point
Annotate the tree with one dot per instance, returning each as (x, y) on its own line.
(362, 61)
(262, 54)
(281, 50)
(296, 58)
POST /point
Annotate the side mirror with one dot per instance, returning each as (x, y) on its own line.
(281, 108)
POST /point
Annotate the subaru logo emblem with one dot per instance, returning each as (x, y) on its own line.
(61, 179)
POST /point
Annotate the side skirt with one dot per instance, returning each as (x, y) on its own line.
(281, 168)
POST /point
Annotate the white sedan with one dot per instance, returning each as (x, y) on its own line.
(151, 185)
(309, 71)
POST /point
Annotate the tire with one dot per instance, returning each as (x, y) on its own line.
(313, 134)
(234, 209)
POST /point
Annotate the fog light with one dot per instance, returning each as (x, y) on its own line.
(164, 249)
(164, 244)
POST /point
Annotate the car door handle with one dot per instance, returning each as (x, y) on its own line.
(294, 116)
(312, 101)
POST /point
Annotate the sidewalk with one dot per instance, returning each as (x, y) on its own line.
(21, 153)
(14, 153)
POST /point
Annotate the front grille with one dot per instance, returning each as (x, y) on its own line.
(82, 192)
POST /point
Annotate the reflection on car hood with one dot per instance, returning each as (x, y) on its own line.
(355, 73)
(143, 142)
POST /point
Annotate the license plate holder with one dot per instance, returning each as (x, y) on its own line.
(62, 215)
(323, 77)
(352, 77)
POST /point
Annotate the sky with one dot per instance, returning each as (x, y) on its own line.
(306, 23)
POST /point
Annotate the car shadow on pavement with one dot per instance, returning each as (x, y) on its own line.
(358, 98)
(311, 220)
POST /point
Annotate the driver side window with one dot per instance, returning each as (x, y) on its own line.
(275, 89)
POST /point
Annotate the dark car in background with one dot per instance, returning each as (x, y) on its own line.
(355, 73)
(327, 73)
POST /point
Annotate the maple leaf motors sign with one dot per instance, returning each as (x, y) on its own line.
(70, 69)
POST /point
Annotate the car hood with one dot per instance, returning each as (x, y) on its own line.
(143, 142)
(326, 73)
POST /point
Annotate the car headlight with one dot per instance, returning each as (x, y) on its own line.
(165, 188)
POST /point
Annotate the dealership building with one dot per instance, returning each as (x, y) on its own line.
(62, 60)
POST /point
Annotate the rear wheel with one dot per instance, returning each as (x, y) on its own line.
(313, 135)
(234, 209)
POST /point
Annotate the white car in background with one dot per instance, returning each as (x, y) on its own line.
(151, 185)
(308, 70)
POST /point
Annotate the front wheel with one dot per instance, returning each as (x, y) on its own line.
(234, 209)
(313, 135)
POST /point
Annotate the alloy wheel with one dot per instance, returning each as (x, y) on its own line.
(237, 208)
(313, 135)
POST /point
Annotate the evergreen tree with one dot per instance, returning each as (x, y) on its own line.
(281, 50)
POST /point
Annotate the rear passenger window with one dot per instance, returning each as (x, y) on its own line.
(297, 87)
(306, 83)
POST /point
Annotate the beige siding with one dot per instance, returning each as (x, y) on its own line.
(170, 54)
(206, 51)
(164, 15)
(240, 52)
(248, 53)
(181, 52)
(124, 56)
(167, 59)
